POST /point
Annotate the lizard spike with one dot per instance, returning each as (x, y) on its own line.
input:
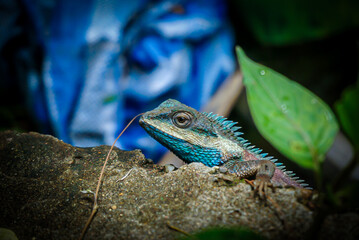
(221, 119)
(281, 168)
(246, 144)
(227, 127)
(264, 155)
(235, 128)
(289, 172)
(259, 151)
(278, 164)
(301, 183)
(250, 147)
(229, 124)
(210, 114)
(232, 124)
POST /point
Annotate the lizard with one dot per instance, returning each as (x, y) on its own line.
(214, 141)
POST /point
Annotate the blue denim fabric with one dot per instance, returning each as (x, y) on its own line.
(107, 61)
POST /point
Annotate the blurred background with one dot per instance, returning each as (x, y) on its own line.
(80, 70)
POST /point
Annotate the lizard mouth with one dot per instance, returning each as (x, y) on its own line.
(146, 120)
(144, 123)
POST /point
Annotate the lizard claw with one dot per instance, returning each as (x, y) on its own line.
(262, 188)
(250, 182)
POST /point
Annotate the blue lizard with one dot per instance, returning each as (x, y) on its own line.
(214, 141)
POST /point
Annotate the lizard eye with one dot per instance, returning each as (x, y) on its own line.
(182, 119)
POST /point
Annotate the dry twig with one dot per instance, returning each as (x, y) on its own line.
(95, 205)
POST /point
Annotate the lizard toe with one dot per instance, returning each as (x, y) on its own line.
(262, 188)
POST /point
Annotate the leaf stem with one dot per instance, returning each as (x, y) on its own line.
(318, 171)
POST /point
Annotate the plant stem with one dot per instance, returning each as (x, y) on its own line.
(317, 172)
(346, 172)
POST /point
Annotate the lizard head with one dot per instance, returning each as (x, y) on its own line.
(177, 120)
(181, 129)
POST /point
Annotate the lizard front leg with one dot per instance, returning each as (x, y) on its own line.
(263, 170)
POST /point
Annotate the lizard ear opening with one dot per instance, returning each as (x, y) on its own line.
(182, 119)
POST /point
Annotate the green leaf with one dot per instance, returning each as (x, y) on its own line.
(348, 112)
(294, 120)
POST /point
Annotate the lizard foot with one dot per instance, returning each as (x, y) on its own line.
(262, 188)
(250, 182)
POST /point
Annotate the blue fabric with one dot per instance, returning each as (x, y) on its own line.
(107, 61)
